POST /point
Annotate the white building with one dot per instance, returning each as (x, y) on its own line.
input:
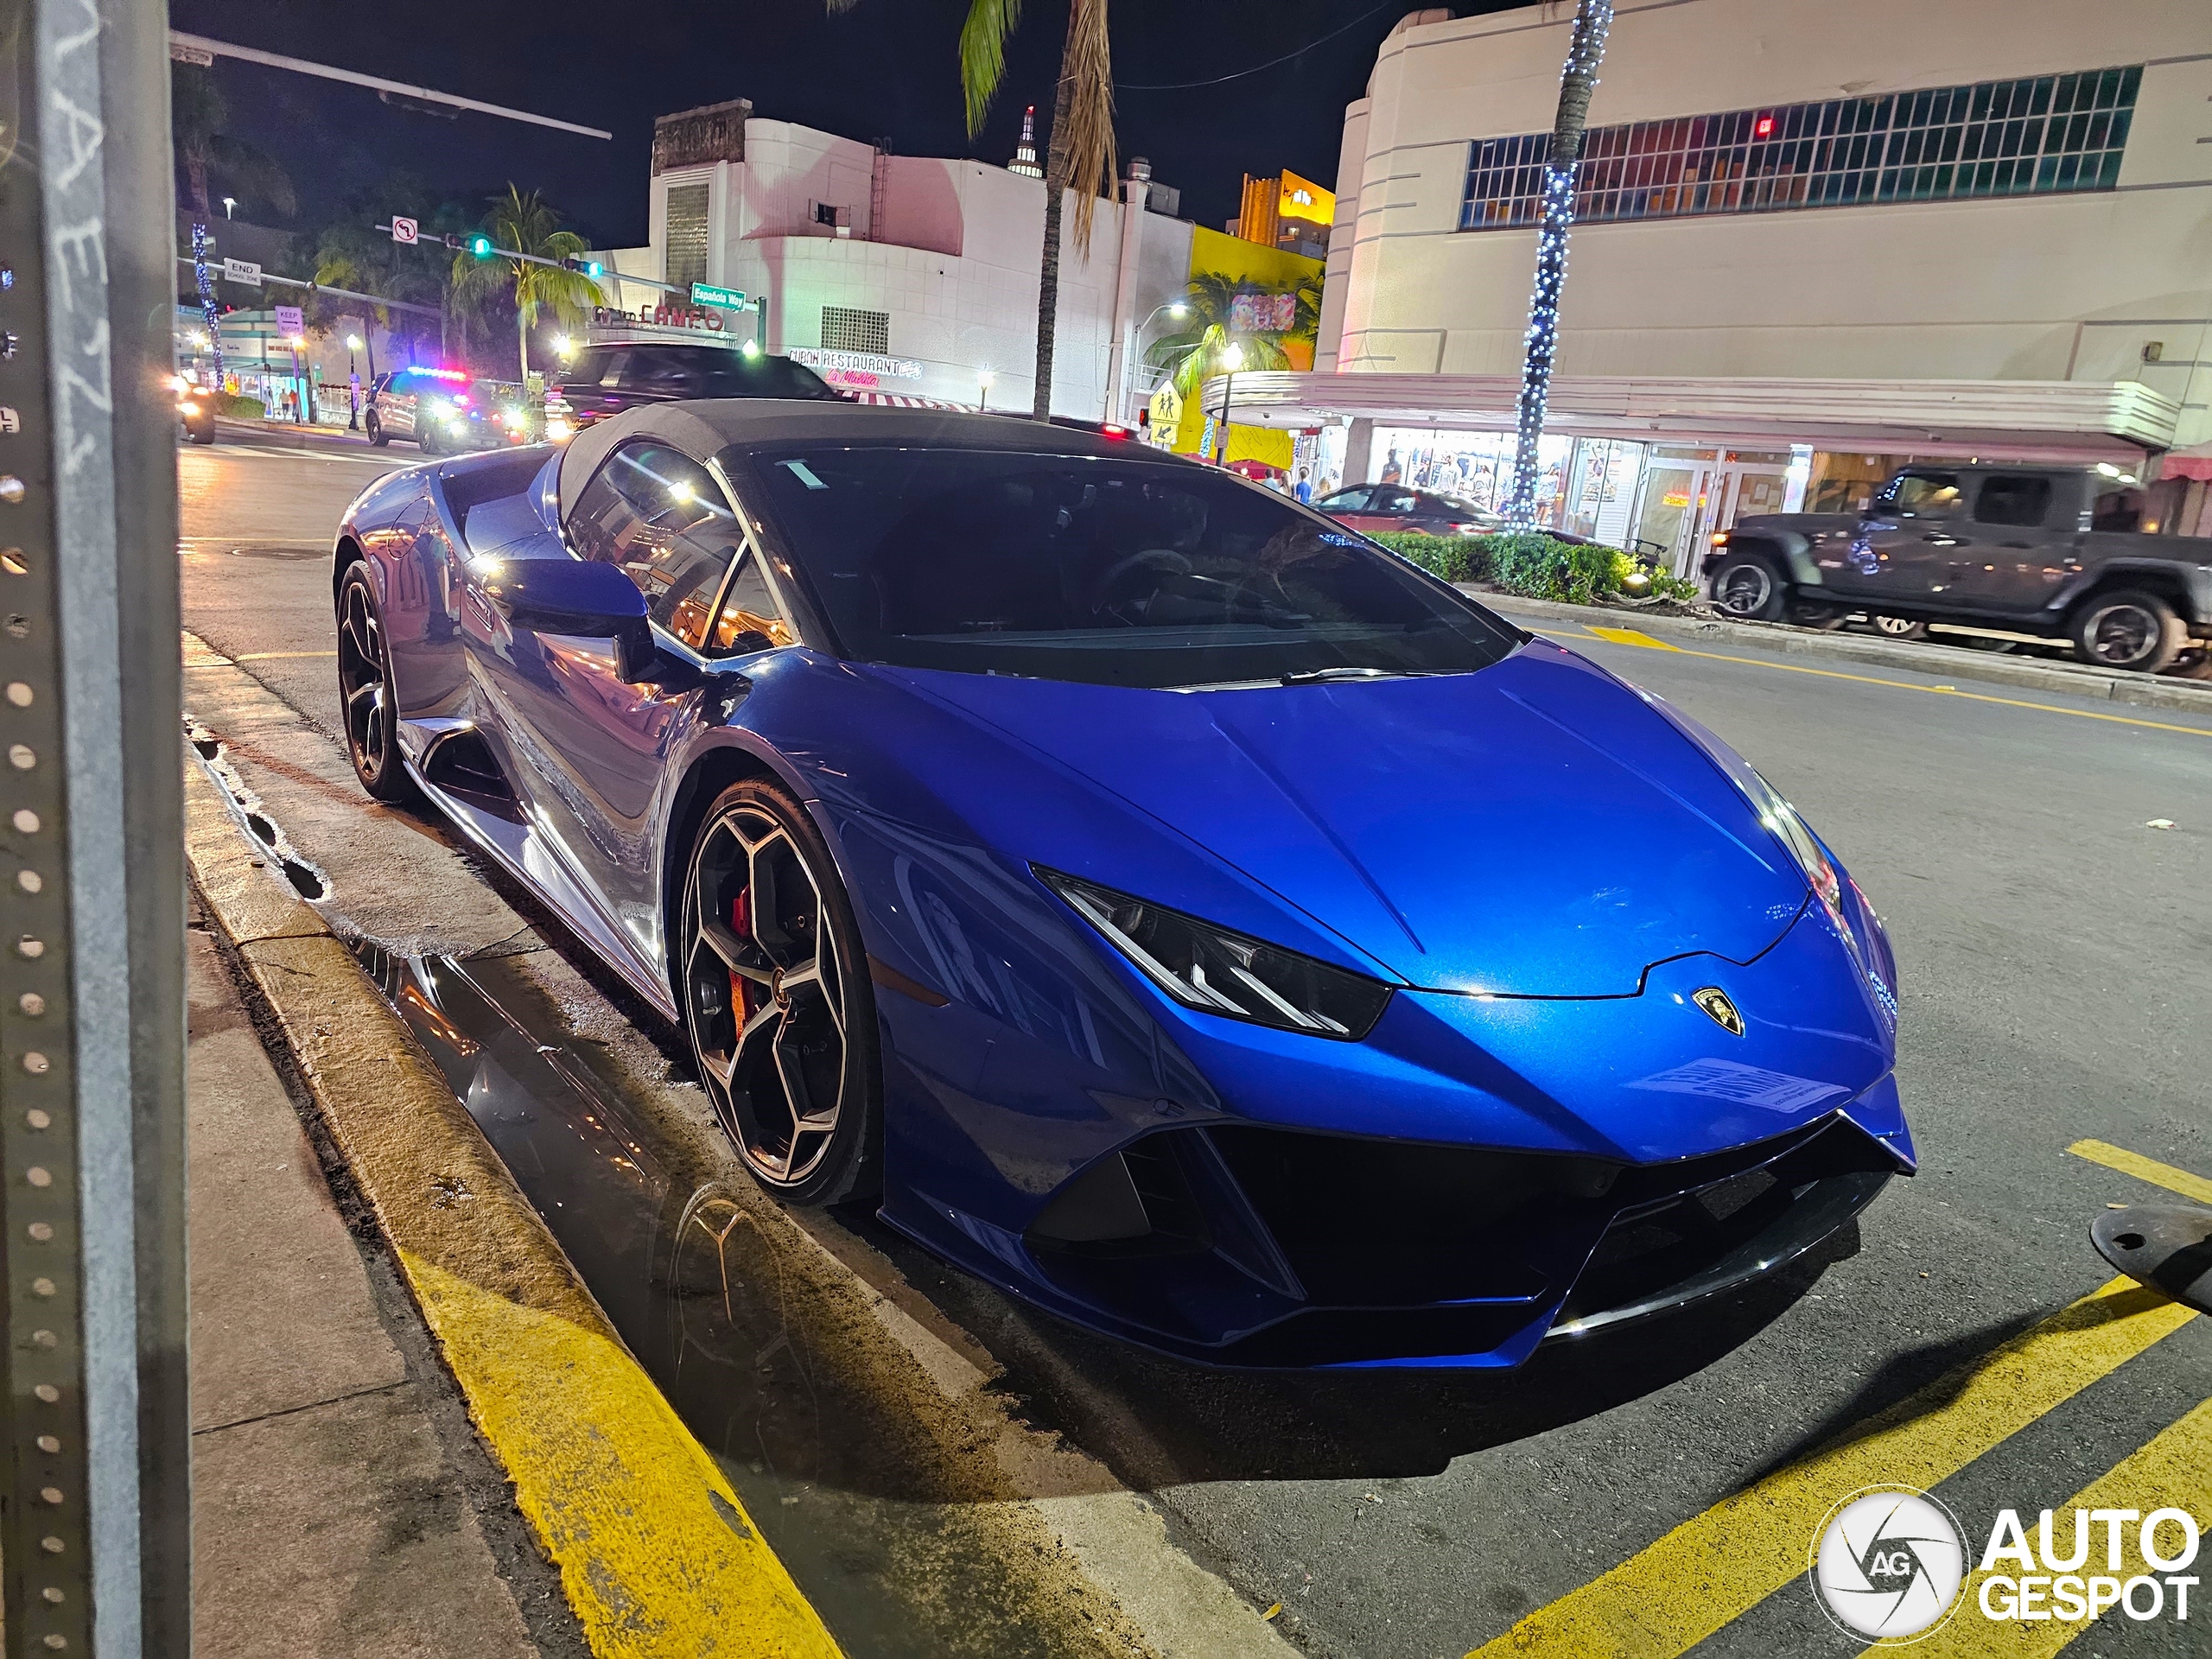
(920, 274)
(1814, 236)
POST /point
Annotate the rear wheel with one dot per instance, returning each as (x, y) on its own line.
(364, 690)
(1748, 585)
(1899, 627)
(776, 998)
(2128, 629)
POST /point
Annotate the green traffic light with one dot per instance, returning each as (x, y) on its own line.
(594, 270)
(481, 247)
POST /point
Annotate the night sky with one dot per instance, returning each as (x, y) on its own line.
(887, 69)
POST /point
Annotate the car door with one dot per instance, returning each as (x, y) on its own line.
(590, 749)
(396, 404)
(1908, 546)
(1348, 507)
(2022, 554)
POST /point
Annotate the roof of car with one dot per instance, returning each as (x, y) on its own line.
(707, 426)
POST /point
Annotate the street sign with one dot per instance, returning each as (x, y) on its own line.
(288, 319)
(730, 299)
(180, 53)
(242, 270)
(403, 229)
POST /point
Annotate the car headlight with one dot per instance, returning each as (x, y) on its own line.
(187, 409)
(556, 429)
(1209, 968)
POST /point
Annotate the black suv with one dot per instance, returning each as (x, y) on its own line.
(2079, 554)
(607, 379)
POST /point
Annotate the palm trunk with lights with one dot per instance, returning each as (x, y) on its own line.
(1586, 50)
(1055, 187)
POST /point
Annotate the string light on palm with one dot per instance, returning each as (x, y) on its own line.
(1586, 50)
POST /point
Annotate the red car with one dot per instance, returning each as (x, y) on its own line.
(1372, 507)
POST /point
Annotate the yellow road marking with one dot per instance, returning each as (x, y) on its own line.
(2169, 1472)
(2145, 1169)
(1941, 690)
(271, 656)
(1629, 637)
(1719, 1564)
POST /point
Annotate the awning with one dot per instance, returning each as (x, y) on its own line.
(2020, 420)
(2195, 462)
(900, 400)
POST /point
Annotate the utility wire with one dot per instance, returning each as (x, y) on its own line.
(1185, 86)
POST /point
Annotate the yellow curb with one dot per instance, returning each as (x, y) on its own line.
(655, 1552)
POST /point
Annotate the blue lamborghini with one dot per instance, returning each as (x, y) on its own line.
(1161, 901)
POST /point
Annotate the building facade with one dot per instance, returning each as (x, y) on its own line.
(906, 276)
(1814, 236)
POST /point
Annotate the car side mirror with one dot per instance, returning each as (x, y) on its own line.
(576, 596)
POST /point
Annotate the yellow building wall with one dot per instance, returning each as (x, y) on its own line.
(1240, 261)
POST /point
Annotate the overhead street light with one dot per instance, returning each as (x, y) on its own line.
(1232, 358)
(984, 380)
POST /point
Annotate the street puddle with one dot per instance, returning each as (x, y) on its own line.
(900, 1542)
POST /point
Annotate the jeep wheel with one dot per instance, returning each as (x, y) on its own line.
(1900, 627)
(1748, 586)
(2128, 629)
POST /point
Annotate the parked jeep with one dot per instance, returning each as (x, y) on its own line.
(2062, 553)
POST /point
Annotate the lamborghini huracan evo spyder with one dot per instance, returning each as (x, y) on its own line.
(1165, 904)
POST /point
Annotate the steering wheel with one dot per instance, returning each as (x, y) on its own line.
(1106, 586)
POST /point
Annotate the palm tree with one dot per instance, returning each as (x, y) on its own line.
(1193, 353)
(526, 224)
(1586, 49)
(199, 115)
(1081, 153)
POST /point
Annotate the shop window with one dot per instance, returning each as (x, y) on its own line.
(2043, 135)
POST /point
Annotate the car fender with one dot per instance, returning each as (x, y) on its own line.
(2188, 584)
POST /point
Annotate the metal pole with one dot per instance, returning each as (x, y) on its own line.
(95, 1509)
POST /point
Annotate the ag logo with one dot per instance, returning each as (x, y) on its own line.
(1887, 1564)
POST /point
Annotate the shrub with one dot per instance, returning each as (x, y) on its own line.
(1455, 558)
(237, 407)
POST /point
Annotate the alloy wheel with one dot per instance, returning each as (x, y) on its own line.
(1745, 589)
(361, 683)
(2123, 635)
(765, 995)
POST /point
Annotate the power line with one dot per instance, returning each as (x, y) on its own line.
(1184, 85)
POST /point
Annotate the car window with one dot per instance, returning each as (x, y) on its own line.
(1352, 500)
(750, 606)
(596, 365)
(664, 370)
(1098, 569)
(731, 374)
(1920, 495)
(1392, 501)
(660, 515)
(2120, 510)
(2003, 500)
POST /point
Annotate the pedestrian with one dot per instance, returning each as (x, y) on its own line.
(1305, 490)
(1391, 471)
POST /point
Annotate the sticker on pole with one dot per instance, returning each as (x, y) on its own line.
(403, 229)
(242, 270)
(289, 319)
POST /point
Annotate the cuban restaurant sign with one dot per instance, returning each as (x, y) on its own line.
(834, 365)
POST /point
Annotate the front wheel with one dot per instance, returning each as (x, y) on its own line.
(378, 435)
(777, 1000)
(1899, 627)
(2130, 630)
(1747, 586)
(364, 690)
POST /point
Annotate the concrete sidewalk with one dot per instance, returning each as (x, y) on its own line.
(342, 1505)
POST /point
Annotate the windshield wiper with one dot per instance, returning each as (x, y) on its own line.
(1322, 676)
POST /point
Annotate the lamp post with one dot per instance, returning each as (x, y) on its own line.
(983, 379)
(1232, 358)
(299, 382)
(1175, 309)
(353, 385)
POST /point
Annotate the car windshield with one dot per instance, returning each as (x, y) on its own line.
(1107, 571)
(686, 371)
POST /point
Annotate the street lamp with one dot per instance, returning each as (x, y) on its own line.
(1232, 358)
(565, 346)
(1177, 309)
(229, 202)
(983, 380)
(299, 378)
(353, 385)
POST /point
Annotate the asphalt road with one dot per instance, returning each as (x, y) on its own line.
(2056, 955)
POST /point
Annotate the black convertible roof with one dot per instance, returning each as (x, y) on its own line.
(711, 425)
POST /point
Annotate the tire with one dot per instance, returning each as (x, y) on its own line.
(366, 695)
(1750, 586)
(1899, 627)
(426, 437)
(378, 435)
(1818, 614)
(2128, 629)
(778, 1025)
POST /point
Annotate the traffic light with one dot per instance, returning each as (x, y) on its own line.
(591, 268)
(594, 270)
(480, 247)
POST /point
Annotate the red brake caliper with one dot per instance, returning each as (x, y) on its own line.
(741, 989)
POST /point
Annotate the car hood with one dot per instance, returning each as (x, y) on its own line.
(1536, 829)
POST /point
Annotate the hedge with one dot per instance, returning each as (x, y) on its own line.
(1534, 565)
